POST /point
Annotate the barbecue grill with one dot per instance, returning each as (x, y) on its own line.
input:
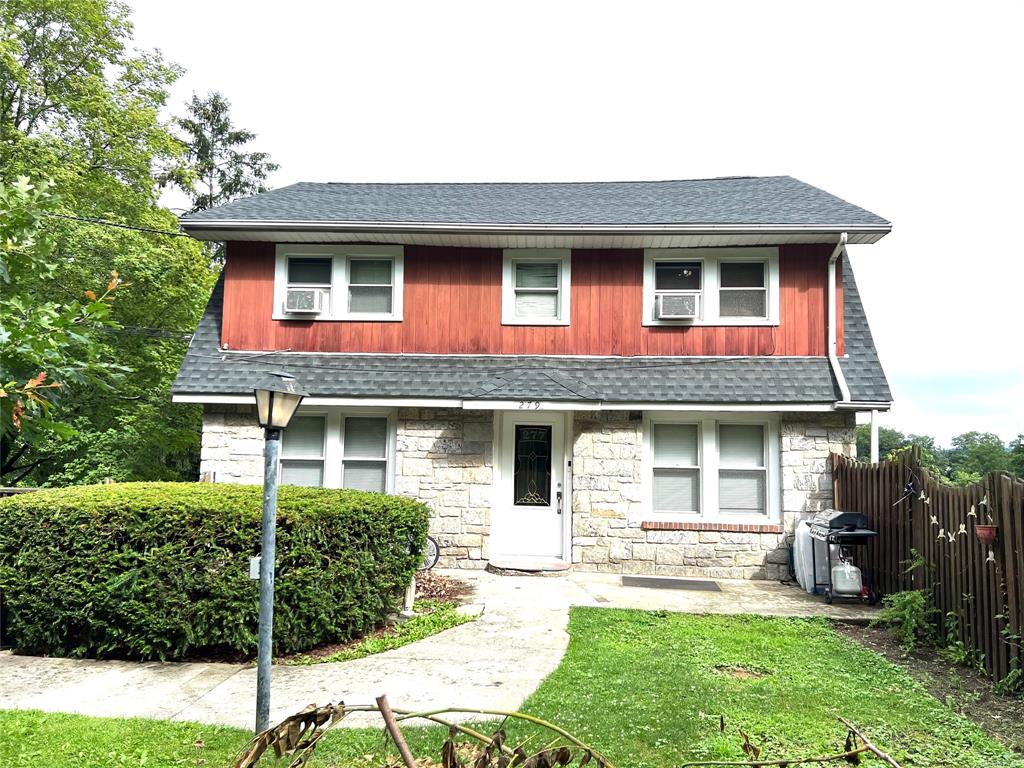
(845, 530)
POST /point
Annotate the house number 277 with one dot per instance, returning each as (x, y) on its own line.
(529, 405)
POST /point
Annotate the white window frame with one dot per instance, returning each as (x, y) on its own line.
(334, 442)
(709, 259)
(340, 255)
(513, 256)
(655, 464)
(709, 466)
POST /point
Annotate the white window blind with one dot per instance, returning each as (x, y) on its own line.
(536, 289)
(370, 285)
(676, 467)
(742, 472)
(364, 465)
(302, 452)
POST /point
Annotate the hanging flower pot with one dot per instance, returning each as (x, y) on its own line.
(986, 533)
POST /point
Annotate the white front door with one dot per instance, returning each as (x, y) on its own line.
(527, 517)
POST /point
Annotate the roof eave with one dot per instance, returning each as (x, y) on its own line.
(198, 225)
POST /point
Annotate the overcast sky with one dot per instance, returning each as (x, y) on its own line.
(914, 111)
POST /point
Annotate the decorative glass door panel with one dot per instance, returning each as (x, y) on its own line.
(531, 484)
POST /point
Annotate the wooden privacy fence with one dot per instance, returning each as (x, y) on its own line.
(978, 586)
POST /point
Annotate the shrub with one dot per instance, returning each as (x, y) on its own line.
(160, 570)
(911, 615)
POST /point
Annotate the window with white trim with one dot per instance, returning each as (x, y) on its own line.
(302, 451)
(535, 286)
(742, 472)
(337, 448)
(676, 460)
(339, 282)
(711, 286)
(712, 467)
(743, 289)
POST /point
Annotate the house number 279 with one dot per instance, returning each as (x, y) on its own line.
(529, 405)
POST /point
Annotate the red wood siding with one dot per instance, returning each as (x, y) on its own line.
(453, 305)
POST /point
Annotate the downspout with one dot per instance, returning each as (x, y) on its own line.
(833, 343)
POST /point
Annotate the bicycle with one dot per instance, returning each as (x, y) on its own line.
(431, 553)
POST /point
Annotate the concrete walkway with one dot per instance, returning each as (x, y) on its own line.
(494, 662)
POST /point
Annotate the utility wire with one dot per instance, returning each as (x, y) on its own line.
(359, 365)
(103, 223)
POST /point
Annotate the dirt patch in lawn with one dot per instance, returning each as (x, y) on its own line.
(963, 690)
(740, 672)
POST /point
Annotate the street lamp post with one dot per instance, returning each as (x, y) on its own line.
(277, 398)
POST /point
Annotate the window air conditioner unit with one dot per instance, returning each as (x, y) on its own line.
(304, 301)
(676, 306)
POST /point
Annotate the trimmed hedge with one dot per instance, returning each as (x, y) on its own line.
(161, 570)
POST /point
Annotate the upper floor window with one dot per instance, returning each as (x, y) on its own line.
(345, 282)
(535, 286)
(711, 286)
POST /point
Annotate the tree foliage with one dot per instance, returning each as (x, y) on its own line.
(969, 458)
(46, 346)
(218, 169)
(79, 109)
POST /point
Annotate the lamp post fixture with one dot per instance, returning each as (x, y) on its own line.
(277, 399)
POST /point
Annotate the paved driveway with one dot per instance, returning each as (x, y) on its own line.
(494, 662)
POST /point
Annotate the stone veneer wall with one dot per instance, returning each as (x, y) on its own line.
(446, 459)
(232, 446)
(609, 534)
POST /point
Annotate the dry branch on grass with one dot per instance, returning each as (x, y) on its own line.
(297, 736)
(851, 753)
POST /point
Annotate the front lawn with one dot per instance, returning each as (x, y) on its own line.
(647, 689)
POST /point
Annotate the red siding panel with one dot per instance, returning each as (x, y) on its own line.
(453, 305)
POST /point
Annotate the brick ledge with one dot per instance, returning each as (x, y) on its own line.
(658, 525)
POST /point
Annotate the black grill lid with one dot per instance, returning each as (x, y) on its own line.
(834, 519)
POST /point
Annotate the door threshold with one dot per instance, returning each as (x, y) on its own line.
(524, 564)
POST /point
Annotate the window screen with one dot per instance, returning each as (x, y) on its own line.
(309, 271)
(364, 466)
(742, 473)
(302, 452)
(536, 289)
(676, 485)
(370, 285)
(742, 289)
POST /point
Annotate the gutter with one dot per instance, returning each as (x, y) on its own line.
(413, 226)
(833, 343)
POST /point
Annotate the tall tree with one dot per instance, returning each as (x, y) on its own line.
(79, 109)
(219, 169)
(45, 346)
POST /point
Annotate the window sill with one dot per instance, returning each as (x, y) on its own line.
(722, 321)
(664, 525)
(333, 319)
(532, 321)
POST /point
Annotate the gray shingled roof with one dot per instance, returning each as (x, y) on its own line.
(207, 370)
(736, 200)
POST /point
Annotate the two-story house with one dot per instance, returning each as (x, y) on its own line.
(641, 377)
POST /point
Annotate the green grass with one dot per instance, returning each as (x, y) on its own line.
(645, 688)
(433, 616)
